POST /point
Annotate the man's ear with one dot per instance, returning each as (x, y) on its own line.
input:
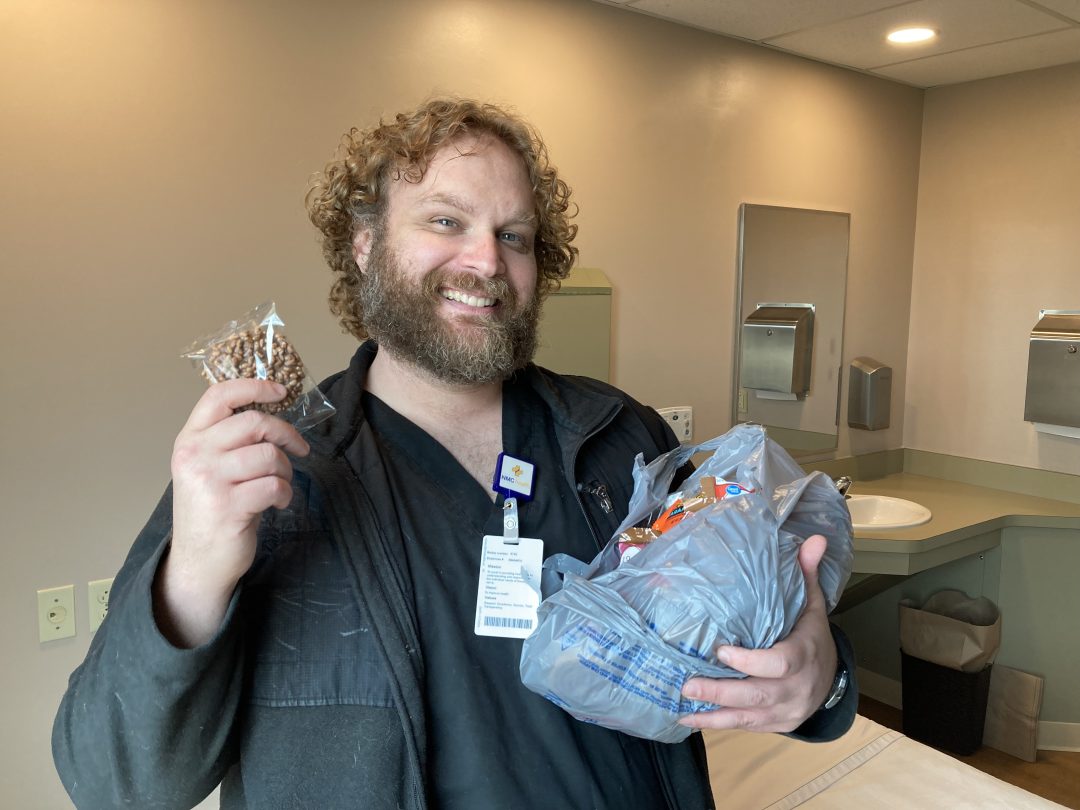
(362, 248)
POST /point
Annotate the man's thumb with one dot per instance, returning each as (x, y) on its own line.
(810, 554)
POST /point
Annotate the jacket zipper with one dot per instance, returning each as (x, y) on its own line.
(599, 491)
(598, 487)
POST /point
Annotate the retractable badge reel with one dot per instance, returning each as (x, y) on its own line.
(508, 592)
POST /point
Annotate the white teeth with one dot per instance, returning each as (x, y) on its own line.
(471, 300)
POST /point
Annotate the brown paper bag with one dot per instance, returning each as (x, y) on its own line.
(1012, 712)
(951, 630)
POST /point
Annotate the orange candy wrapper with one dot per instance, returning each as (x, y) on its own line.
(710, 492)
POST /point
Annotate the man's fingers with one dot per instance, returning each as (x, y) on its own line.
(730, 692)
(220, 400)
(755, 704)
(773, 662)
(199, 455)
(255, 461)
(256, 496)
(253, 427)
(740, 719)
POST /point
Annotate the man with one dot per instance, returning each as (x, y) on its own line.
(321, 654)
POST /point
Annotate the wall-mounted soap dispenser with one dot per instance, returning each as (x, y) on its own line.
(1053, 378)
(777, 346)
(869, 394)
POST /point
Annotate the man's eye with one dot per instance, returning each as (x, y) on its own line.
(445, 222)
(516, 240)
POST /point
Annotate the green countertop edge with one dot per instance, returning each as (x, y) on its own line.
(876, 553)
(920, 548)
(1056, 486)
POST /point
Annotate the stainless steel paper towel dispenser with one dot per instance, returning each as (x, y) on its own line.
(869, 394)
(777, 348)
(1053, 378)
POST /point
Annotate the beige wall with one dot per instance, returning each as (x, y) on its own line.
(153, 160)
(996, 241)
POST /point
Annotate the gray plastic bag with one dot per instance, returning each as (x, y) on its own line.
(615, 643)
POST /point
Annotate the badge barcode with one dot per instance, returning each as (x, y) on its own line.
(500, 621)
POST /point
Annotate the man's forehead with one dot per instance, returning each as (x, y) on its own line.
(459, 165)
(470, 145)
(468, 153)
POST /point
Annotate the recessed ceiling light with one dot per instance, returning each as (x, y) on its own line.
(905, 35)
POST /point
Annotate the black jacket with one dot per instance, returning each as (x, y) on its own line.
(311, 693)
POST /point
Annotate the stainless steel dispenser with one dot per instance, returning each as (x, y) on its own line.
(777, 348)
(869, 394)
(1053, 378)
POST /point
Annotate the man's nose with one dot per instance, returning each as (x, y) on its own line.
(482, 254)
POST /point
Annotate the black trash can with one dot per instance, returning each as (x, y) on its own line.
(947, 648)
(944, 707)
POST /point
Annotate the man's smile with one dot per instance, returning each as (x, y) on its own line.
(467, 298)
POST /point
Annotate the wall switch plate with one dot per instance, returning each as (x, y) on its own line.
(681, 419)
(56, 613)
(97, 601)
(743, 404)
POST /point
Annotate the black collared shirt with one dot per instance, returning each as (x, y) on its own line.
(493, 743)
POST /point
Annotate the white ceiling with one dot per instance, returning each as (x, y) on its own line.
(976, 38)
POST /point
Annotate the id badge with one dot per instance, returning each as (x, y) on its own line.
(508, 593)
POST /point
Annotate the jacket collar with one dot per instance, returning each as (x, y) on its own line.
(578, 408)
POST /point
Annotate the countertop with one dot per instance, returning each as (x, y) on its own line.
(966, 519)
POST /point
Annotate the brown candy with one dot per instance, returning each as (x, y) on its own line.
(244, 355)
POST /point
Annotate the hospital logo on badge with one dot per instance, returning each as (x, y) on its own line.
(514, 477)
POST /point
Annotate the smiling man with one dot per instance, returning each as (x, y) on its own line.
(449, 275)
(302, 620)
(448, 287)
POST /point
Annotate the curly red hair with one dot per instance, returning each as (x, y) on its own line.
(350, 193)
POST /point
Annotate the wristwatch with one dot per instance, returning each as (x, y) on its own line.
(839, 687)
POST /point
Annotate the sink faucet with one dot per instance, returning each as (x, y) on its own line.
(843, 484)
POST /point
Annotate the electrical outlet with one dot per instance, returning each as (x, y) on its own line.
(97, 600)
(56, 613)
(742, 400)
(681, 420)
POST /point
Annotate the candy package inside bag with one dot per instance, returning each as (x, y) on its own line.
(714, 563)
(255, 347)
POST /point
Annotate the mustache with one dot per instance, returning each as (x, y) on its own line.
(497, 288)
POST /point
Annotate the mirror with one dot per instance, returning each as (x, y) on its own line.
(793, 258)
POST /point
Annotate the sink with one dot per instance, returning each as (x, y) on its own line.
(885, 512)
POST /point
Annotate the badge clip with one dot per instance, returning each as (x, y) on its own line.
(510, 521)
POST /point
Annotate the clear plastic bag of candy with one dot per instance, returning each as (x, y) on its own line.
(255, 347)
